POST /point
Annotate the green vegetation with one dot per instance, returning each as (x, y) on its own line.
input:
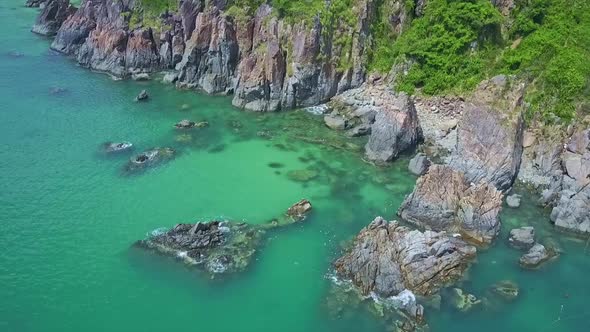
(449, 45)
(457, 43)
(147, 12)
(553, 53)
(452, 46)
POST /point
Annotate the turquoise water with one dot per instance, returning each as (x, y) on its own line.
(69, 214)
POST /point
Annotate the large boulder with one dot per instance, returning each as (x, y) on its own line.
(396, 129)
(536, 255)
(489, 146)
(387, 259)
(419, 164)
(522, 238)
(490, 134)
(444, 199)
(52, 17)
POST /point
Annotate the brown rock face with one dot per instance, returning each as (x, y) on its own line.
(444, 199)
(267, 63)
(387, 258)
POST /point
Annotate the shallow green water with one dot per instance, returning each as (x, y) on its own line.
(68, 215)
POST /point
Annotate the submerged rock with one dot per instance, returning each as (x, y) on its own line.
(302, 175)
(522, 238)
(463, 301)
(149, 158)
(506, 290)
(387, 259)
(218, 247)
(142, 96)
(187, 124)
(443, 199)
(113, 147)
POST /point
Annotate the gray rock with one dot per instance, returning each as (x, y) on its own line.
(537, 255)
(387, 259)
(513, 200)
(149, 158)
(141, 77)
(522, 238)
(396, 128)
(571, 212)
(335, 122)
(114, 147)
(489, 146)
(170, 77)
(443, 199)
(419, 164)
(142, 96)
(360, 130)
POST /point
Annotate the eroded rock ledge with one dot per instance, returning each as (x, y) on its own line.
(387, 259)
(444, 199)
(219, 246)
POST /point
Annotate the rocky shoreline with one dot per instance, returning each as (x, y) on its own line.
(473, 149)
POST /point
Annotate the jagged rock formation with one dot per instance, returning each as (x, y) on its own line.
(444, 199)
(268, 63)
(390, 118)
(52, 16)
(219, 247)
(35, 3)
(490, 134)
(387, 259)
(570, 189)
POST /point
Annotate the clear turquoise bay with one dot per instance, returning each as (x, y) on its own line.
(69, 215)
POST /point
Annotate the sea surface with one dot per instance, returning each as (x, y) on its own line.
(69, 214)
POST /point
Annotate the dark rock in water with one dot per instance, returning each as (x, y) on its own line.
(299, 210)
(142, 96)
(35, 3)
(276, 165)
(57, 91)
(507, 290)
(522, 238)
(537, 255)
(187, 124)
(52, 17)
(113, 147)
(302, 175)
(387, 259)
(443, 200)
(419, 164)
(219, 247)
(513, 201)
(150, 158)
(216, 246)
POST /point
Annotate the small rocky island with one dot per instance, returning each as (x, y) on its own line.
(220, 247)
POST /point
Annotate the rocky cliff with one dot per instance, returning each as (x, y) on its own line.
(267, 61)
